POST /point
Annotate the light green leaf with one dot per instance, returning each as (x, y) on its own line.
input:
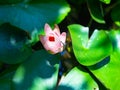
(13, 45)
(106, 1)
(77, 80)
(89, 51)
(32, 17)
(109, 74)
(96, 11)
(38, 73)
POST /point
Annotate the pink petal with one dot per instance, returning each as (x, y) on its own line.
(63, 37)
(53, 47)
(47, 29)
(52, 39)
(56, 30)
(56, 49)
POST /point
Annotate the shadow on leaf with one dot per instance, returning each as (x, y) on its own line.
(100, 64)
(40, 71)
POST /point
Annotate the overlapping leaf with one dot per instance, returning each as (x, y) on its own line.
(109, 73)
(89, 51)
(77, 80)
(13, 45)
(96, 11)
(115, 14)
(5, 81)
(32, 16)
(38, 73)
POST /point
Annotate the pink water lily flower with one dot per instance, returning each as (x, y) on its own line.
(53, 41)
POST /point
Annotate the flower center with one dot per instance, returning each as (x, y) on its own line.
(51, 38)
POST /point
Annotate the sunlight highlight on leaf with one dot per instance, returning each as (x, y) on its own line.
(34, 36)
(77, 80)
(40, 83)
(62, 11)
(118, 39)
(13, 41)
(19, 73)
(106, 1)
(117, 23)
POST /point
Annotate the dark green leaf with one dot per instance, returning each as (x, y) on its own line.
(5, 81)
(13, 45)
(96, 11)
(77, 80)
(115, 14)
(79, 2)
(38, 73)
(109, 74)
(32, 17)
(5, 2)
(89, 51)
(5, 84)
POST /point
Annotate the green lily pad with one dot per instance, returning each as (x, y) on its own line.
(96, 11)
(77, 80)
(109, 74)
(32, 16)
(13, 45)
(38, 73)
(5, 81)
(89, 51)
